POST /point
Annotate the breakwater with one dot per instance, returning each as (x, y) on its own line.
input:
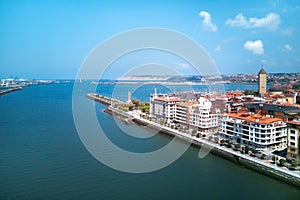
(271, 170)
(10, 90)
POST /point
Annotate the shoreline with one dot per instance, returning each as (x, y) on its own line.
(176, 83)
(273, 171)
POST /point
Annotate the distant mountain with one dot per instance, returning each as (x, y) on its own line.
(197, 78)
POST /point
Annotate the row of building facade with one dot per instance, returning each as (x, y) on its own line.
(259, 125)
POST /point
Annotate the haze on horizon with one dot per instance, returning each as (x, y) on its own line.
(51, 39)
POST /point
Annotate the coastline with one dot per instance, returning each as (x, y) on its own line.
(270, 170)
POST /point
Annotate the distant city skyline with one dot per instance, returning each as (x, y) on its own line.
(51, 39)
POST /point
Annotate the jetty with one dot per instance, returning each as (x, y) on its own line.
(102, 99)
(265, 167)
(10, 90)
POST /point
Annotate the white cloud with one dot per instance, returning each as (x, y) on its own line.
(287, 31)
(182, 65)
(288, 47)
(218, 48)
(207, 23)
(270, 21)
(256, 47)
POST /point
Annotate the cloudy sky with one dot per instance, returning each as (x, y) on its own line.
(51, 39)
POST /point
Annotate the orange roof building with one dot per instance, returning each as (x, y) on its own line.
(255, 130)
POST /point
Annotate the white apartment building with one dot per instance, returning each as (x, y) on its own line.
(199, 115)
(293, 136)
(257, 131)
(162, 106)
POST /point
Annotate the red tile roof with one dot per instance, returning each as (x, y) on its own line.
(167, 99)
(254, 118)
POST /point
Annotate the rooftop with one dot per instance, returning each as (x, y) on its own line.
(187, 104)
(294, 123)
(262, 71)
(167, 99)
(275, 108)
(259, 119)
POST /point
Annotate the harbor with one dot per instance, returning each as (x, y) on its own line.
(264, 166)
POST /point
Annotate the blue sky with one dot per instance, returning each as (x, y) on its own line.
(51, 39)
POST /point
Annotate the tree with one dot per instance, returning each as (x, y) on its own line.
(144, 107)
(294, 164)
(228, 145)
(237, 146)
(246, 149)
(194, 132)
(282, 161)
(136, 102)
(251, 92)
(297, 86)
(254, 151)
(216, 139)
(273, 158)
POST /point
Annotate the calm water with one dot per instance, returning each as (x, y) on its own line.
(42, 157)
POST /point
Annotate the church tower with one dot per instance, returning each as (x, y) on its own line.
(262, 82)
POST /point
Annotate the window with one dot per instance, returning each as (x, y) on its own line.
(292, 137)
(292, 143)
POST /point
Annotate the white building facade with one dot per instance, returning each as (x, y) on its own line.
(257, 131)
(293, 135)
(198, 115)
(163, 107)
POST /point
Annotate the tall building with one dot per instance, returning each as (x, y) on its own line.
(200, 115)
(293, 137)
(262, 82)
(162, 106)
(255, 130)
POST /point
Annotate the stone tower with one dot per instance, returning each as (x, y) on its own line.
(262, 82)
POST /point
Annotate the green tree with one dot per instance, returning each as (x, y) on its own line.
(297, 86)
(216, 139)
(273, 158)
(136, 102)
(246, 149)
(251, 92)
(194, 132)
(254, 151)
(228, 145)
(282, 161)
(294, 163)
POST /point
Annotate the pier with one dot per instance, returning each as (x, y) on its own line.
(264, 167)
(102, 99)
(10, 90)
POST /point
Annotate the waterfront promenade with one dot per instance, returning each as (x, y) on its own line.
(272, 169)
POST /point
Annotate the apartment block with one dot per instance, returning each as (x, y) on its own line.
(200, 115)
(293, 139)
(255, 130)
